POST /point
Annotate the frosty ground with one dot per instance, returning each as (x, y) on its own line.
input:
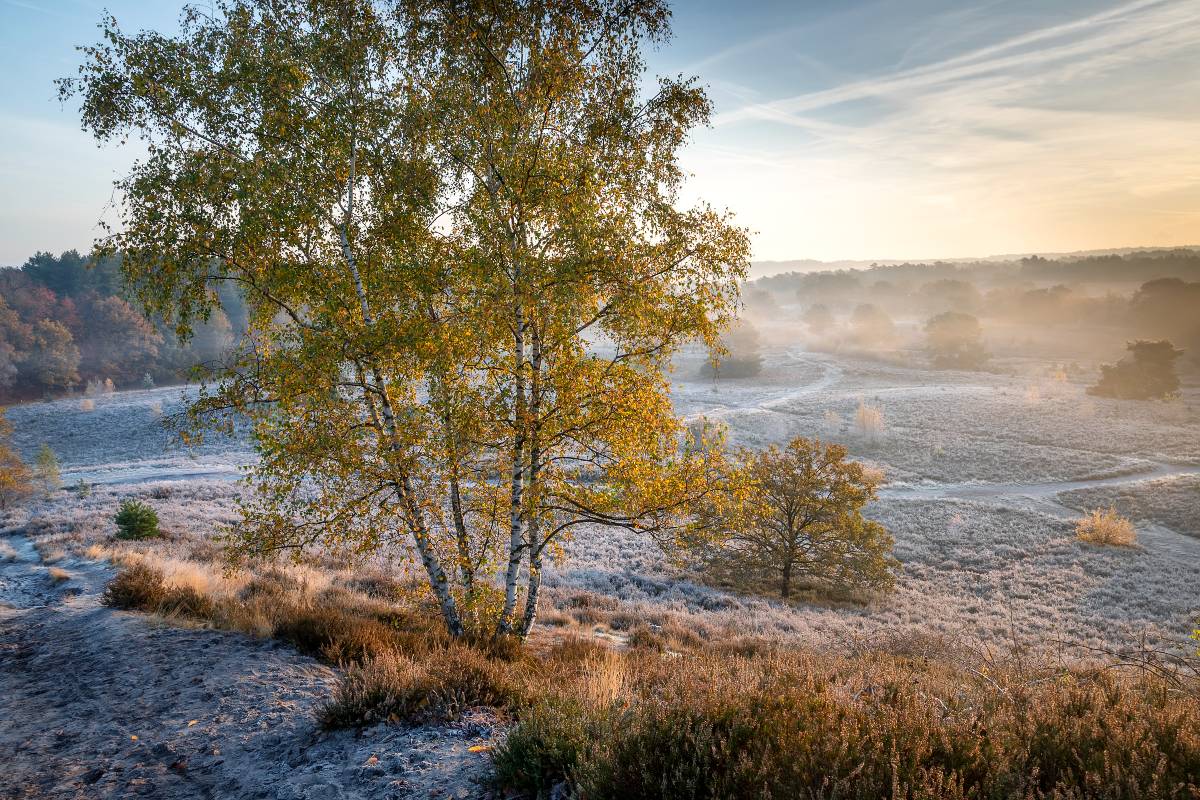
(985, 470)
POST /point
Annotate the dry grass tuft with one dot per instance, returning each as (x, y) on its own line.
(59, 575)
(7, 551)
(1106, 527)
(868, 421)
(48, 553)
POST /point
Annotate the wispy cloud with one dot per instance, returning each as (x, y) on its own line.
(1143, 25)
(1070, 135)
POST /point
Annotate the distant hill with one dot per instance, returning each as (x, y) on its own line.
(762, 269)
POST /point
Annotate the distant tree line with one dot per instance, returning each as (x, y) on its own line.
(65, 324)
(1151, 296)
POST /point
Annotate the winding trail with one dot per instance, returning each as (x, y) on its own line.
(1035, 496)
(1046, 490)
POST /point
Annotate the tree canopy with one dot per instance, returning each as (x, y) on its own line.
(15, 476)
(795, 515)
(954, 340)
(1147, 373)
(456, 228)
(64, 321)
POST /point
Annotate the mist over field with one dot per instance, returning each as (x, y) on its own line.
(447, 409)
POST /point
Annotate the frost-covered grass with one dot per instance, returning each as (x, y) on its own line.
(953, 426)
(970, 571)
(112, 435)
(1173, 502)
(988, 569)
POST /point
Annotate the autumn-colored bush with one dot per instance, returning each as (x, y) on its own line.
(16, 479)
(1106, 526)
(793, 517)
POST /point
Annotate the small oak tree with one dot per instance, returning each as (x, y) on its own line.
(871, 326)
(739, 355)
(15, 477)
(456, 226)
(795, 515)
(47, 473)
(819, 319)
(955, 341)
(1147, 373)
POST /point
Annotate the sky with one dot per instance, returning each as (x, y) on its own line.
(843, 129)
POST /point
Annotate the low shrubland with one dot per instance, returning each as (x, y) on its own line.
(675, 715)
(792, 724)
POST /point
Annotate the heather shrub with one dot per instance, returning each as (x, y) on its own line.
(800, 725)
(1106, 527)
(437, 684)
(138, 586)
(334, 634)
(187, 601)
(543, 750)
(136, 520)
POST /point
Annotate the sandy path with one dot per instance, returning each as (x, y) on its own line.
(97, 703)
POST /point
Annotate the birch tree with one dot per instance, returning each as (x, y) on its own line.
(457, 227)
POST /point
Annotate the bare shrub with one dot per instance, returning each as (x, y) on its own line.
(1106, 527)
